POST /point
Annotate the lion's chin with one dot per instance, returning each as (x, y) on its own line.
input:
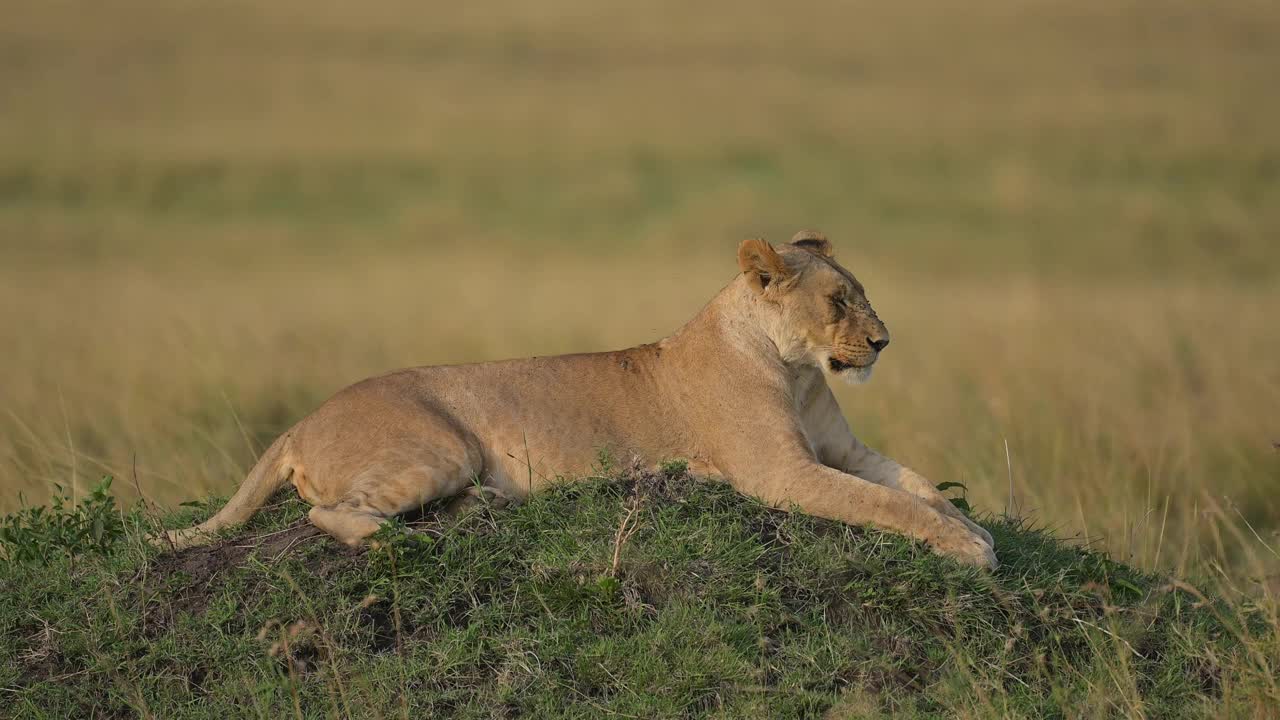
(848, 372)
(856, 375)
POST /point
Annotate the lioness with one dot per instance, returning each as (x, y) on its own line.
(740, 391)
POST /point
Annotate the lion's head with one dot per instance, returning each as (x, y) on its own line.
(815, 310)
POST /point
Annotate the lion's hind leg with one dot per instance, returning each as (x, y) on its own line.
(403, 480)
(475, 496)
(365, 508)
(347, 522)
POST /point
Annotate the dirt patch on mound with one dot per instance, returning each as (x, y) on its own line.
(187, 580)
(202, 564)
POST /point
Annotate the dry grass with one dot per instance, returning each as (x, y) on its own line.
(214, 215)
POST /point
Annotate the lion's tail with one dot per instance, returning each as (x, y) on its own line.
(269, 475)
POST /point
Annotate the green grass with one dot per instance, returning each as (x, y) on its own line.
(715, 607)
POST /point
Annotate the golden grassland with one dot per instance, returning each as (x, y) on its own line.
(214, 215)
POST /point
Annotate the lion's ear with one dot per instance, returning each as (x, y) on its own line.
(761, 263)
(812, 240)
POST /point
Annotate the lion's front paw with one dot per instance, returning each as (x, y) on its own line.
(945, 507)
(971, 551)
(981, 532)
(958, 542)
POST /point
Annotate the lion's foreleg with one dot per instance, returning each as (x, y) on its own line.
(829, 493)
(881, 470)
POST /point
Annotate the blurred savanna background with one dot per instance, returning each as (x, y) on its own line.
(213, 215)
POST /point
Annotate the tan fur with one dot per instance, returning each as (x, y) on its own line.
(740, 391)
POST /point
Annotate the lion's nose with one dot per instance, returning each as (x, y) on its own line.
(879, 343)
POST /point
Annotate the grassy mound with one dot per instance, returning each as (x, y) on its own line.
(638, 595)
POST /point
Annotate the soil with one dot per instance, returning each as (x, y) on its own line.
(186, 581)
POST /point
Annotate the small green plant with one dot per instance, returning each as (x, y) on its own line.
(63, 528)
(675, 467)
(959, 502)
(605, 462)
